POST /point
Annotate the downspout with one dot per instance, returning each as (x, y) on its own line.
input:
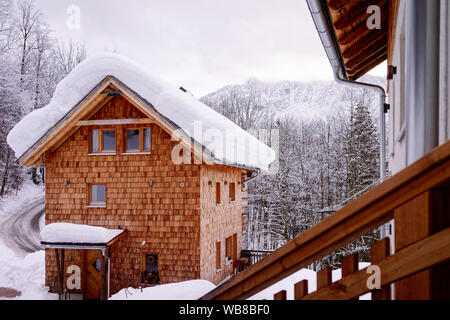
(328, 41)
(108, 293)
(321, 22)
(382, 108)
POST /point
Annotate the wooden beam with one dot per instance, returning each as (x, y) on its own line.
(120, 236)
(376, 49)
(360, 31)
(410, 260)
(393, 18)
(350, 14)
(362, 215)
(365, 68)
(337, 4)
(114, 122)
(365, 43)
(370, 61)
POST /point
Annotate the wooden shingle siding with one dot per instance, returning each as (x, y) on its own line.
(171, 207)
(218, 221)
(164, 215)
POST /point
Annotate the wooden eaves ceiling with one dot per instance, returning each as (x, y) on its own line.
(361, 48)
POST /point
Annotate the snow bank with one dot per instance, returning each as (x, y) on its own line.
(29, 193)
(62, 232)
(186, 290)
(25, 274)
(198, 120)
(303, 274)
(194, 289)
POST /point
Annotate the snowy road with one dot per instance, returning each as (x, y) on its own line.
(21, 231)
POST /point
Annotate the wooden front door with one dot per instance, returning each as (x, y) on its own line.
(93, 274)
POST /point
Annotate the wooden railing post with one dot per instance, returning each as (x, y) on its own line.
(280, 295)
(380, 250)
(300, 289)
(324, 278)
(349, 265)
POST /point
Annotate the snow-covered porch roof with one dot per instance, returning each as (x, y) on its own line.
(78, 236)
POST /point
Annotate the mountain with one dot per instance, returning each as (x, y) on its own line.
(302, 100)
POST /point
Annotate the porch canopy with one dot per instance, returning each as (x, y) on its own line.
(78, 236)
(62, 235)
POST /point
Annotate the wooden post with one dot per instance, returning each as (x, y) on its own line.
(103, 277)
(349, 265)
(280, 295)
(60, 270)
(324, 278)
(420, 217)
(300, 289)
(380, 250)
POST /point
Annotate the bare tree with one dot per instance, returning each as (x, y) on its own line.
(242, 105)
(26, 23)
(6, 25)
(69, 56)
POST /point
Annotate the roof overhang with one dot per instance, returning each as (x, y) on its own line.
(354, 45)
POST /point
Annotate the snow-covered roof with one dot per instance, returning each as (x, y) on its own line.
(70, 233)
(228, 143)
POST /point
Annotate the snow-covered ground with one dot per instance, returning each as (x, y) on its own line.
(186, 290)
(24, 273)
(194, 289)
(11, 203)
(303, 274)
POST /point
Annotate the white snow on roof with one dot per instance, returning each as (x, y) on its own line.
(227, 141)
(62, 232)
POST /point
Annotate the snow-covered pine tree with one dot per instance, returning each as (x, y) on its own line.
(363, 149)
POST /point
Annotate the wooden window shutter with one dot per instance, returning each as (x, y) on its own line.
(218, 262)
(217, 192)
(234, 257)
(232, 191)
(228, 247)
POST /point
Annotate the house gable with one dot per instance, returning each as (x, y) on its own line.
(95, 109)
(117, 108)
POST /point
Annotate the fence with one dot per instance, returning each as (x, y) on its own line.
(416, 198)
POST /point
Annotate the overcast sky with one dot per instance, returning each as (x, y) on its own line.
(201, 45)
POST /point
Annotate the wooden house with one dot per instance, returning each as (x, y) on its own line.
(412, 258)
(111, 160)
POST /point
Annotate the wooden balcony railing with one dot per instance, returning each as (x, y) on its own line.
(416, 198)
(255, 256)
